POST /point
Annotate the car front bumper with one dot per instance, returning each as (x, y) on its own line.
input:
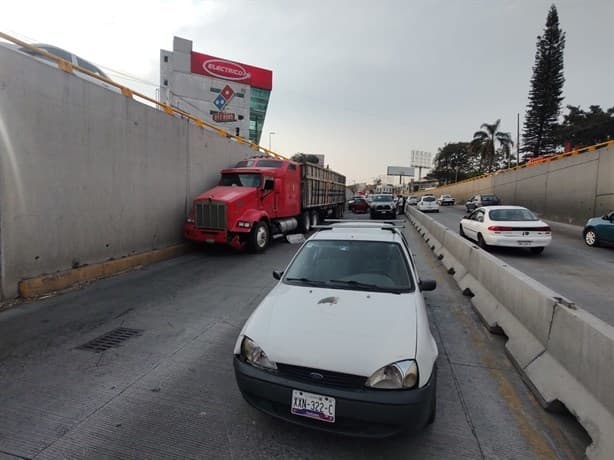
(359, 412)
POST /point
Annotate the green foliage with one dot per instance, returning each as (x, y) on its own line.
(454, 162)
(484, 145)
(305, 158)
(580, 128)
(545, 95)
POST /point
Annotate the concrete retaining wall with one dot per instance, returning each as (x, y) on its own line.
(568, 190)
(564, 353)
(88, 174)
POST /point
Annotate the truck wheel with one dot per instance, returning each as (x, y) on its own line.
(315, 218)
(259, 237)
(305, 223)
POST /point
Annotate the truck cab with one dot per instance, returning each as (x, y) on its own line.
(247, 204)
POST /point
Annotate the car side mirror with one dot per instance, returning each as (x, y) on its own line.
(277, 274)
(427, 285)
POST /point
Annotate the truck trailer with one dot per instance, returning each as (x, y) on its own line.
(262, 198)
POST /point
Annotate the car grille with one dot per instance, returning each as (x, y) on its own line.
(329, 378)
(209, 214)
(383, 207)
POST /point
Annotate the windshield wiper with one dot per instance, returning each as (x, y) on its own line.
(307, 281)
(374, 287)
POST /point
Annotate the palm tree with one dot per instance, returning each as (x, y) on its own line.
(483, 143)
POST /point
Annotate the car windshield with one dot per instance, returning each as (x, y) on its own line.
(356, 265)
(428, 198)
(382, 198)
(515, 214)
(240, 180)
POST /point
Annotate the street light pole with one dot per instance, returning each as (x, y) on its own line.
(270, 134)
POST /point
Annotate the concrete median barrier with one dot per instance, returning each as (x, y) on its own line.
(564, 353)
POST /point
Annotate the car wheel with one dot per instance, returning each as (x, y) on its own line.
(259, 237)
(537, 250)
(481, 243)
(461, 232)
(590, 238)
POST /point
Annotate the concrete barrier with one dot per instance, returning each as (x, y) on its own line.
(564, 354)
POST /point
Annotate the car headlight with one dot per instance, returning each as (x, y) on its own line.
(395, 376)
(254, 355)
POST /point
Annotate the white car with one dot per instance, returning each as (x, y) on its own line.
(342, 343)
(446, 200)
(428, 203)
(510, 226)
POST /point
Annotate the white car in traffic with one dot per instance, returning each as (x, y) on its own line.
(342, 343)
(428, 203)
(509, 226)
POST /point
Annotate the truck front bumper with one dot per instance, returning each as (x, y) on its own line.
(209, 236)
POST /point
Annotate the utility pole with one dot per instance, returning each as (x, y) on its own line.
(518, 139)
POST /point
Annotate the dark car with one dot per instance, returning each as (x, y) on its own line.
(359, 205)
(383, 206)
(477, 201)
(599, 230)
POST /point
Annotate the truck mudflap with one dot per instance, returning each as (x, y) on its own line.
(206, 236)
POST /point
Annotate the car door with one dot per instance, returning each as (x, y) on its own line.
(476, 218)
(605, 228)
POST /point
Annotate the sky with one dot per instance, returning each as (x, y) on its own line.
(362, 82)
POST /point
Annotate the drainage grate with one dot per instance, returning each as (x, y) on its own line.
(111, 339)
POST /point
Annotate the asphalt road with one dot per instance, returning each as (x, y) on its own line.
(582, 274)
(170, 392)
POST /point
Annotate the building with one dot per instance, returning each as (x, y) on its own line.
(225, 93)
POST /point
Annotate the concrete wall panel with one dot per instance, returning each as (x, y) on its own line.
(88, 174)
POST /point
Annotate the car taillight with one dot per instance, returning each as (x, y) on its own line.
(495, 228)
(543, 229)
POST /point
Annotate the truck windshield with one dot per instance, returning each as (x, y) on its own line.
(240, 180)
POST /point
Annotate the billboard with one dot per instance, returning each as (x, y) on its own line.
(400, 171)
(211, 66)
(420, 159)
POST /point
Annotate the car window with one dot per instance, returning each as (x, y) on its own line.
(489, 197)
(57, 52)
(91, 67)
(512, 214)
(428, 198)
(358, 265)
(382, 198)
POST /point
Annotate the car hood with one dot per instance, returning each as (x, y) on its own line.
(354, 332)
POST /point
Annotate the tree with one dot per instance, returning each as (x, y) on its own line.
(580, 128)
(453, 162)
(545, 96)
(484, 144)
(305, 158)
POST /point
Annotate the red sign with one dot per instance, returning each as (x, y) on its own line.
(222, 117)
(212, 66)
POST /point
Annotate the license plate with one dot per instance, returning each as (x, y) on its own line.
(209, 240)
(314, 406)
(525, 243)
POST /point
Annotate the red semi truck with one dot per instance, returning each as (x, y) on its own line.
(263, 197)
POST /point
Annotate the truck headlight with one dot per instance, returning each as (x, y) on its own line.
(254, 355)
(395, 376)
(243, 224)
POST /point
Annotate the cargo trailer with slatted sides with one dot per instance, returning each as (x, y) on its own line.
(261, 198)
